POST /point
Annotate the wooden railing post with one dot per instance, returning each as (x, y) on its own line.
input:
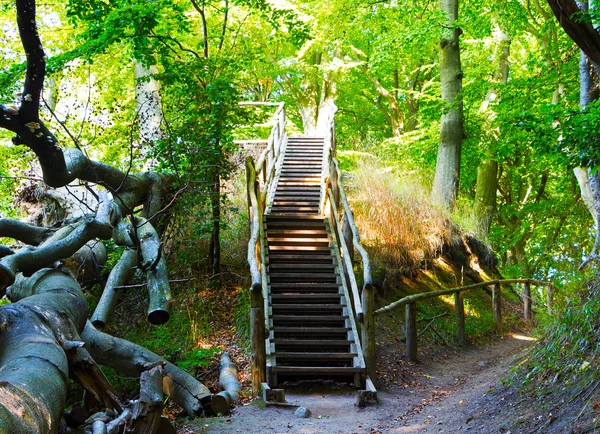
(348, 237)
(459, 307)
(497, 306)
(368, 329)
(411, 332)
(257, 321)
(549, 297)
(527, 301)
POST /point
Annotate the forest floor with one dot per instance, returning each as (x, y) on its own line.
(452, 392)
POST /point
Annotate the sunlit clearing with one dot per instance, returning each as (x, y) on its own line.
(522, 337)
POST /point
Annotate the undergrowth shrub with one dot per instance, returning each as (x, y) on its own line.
(395, 219)
(567, 354)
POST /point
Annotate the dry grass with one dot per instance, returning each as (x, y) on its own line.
(396, 221)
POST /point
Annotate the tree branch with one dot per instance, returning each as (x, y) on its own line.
(585, 36)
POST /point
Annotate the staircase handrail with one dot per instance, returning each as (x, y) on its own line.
(258, 190)
(346, 231)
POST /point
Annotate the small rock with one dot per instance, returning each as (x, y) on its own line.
(484, 364)
(302, 412)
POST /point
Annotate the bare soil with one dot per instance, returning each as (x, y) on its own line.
(459, 391)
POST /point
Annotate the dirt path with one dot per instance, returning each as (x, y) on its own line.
(448, 396)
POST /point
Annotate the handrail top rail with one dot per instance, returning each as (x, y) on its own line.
(433, 294)
(355, 235)
(358, 308)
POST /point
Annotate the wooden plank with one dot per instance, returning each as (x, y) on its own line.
(308, 318)
(309, 343)
(299, 248)
(301, 306)
(310, 286)
(311, 370)
(320, 356)
(301, 267)
(312, 330)
(411, 332)
(305, 297)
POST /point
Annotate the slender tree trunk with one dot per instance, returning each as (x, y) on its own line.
(214, 255)
(447, 170)
(487, 172)
(485, 195)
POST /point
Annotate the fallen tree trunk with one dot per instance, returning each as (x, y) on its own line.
(131, 359)
(229, 384)
(33, 365)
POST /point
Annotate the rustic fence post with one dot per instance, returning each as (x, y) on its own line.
(549, 297)
(497, 306)
(368, 329)
(527, 301)
(411, 332)
(257, 321)
(348, 237)
(459, 306)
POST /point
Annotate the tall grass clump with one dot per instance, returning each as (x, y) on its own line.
(396, 221)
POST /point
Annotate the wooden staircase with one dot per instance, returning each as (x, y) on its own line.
(312, 335)
(306, 303)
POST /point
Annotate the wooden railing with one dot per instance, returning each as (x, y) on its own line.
(361, 303)
(410, 304)
(260, 185)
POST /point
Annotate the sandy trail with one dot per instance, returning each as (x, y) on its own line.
(450, 398)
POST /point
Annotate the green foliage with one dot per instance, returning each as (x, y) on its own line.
(241, 315)
(567, 355)
(580, 136)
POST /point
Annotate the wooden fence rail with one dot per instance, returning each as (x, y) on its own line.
(410, 304)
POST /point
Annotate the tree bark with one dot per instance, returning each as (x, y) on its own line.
(149, 105)
(487, 171)
(447, 170)
(132, 360)
(34, 369)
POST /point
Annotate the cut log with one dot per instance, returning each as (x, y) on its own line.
(146, 417)
(229, 384)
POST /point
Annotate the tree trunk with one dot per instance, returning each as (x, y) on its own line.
(48, 309)
(148, 102)
(487, 171)
(485, 195)
(214, 254)
(447, 170)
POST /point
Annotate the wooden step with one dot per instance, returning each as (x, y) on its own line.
(314, 356)
(302, 259)
(276, 277)
(300, 267)
(278, 240)
(320, 249)
(278, 319)
(312, 370)
(312, 343)
(312, 193)
(310, 330)
(306, 306)
(304, 298)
